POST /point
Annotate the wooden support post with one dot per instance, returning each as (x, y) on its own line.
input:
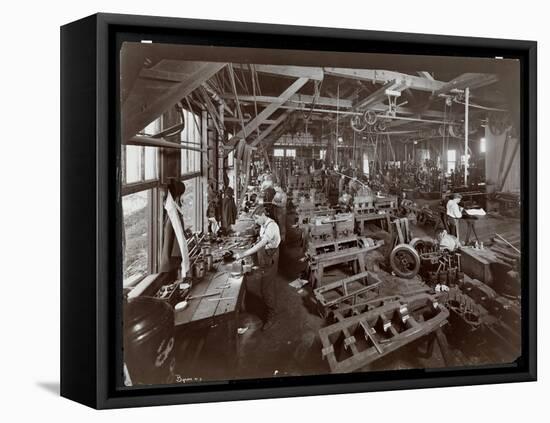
(509, 166)
(466, 131)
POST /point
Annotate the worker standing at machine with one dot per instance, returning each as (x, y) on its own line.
(454, 213)
(267, 250)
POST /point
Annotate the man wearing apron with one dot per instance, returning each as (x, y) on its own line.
(267, 250)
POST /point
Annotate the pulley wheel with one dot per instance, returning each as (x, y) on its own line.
(370, 117)
(358, 124)
(405, 261)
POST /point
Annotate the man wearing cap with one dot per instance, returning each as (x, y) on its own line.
(267, 250)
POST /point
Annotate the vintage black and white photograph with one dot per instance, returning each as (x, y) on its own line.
(296, 213)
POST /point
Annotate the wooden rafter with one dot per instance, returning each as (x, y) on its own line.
(288, 71)
(380, 95)
(269, 110)
(468, 80)
(383, 76)
(297, 98)
(141, 114)
(270, 128)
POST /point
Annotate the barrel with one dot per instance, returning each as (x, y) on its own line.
(149, 343)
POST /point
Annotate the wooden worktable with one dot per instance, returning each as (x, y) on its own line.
(207, 311)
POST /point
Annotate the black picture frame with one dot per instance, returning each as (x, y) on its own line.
(90, 320)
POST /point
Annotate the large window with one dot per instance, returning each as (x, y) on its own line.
(279, 152)
(291, 152)
(322, 154)
(191, 137)
(136, 215)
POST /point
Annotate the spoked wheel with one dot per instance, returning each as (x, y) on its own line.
(405, 261)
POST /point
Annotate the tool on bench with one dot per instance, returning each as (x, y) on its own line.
(210, 294)
(221, 299)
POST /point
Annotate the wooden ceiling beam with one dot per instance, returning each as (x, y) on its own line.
(296, 98)
(139, 116)
(270, 128)
(269, 110)
(384, 76)
(380, 95)
(314, 73)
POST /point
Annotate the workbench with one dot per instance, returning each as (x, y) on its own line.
(207, 311)
(206, 316)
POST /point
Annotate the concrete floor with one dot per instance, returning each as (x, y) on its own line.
(292, 346)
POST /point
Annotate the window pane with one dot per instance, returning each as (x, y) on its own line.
(151, 163)
(190, 160)
(135, 211)
(133, 163)
(291, 152)
(153, 128)
(279, 152)
(190, 204)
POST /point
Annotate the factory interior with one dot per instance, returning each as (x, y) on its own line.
(289, 220)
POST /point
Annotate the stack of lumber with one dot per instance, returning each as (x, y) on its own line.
(507, 247)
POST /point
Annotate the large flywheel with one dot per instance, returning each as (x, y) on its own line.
(405, 261)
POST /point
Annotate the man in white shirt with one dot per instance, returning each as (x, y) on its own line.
(454, 212)
(280, 201)
(267, 250)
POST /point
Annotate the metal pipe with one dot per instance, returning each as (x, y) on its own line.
(159, 142)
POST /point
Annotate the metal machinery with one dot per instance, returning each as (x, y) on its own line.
(423, 215)
(386, 204)
(485, 316)
(302, 198)
(423, 256)
(366, 210)
(473, 305)
(332, 241)
(300, 182)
